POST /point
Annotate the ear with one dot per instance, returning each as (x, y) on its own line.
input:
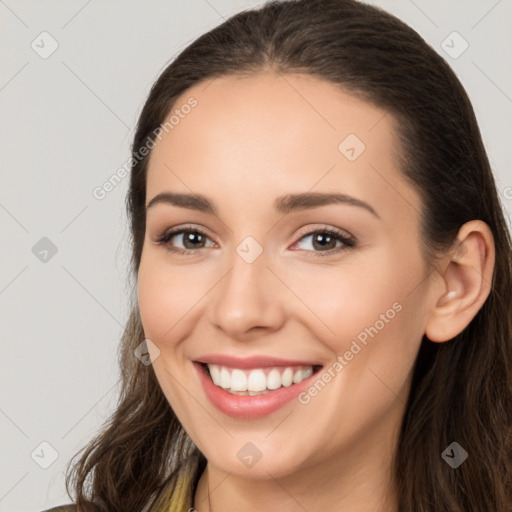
(466, 282)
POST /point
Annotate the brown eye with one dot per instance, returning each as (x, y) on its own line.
(191, 239)
(324, 241)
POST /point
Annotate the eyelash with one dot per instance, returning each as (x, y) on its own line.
(349, 242)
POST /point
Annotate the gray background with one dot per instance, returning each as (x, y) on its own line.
(67, 122)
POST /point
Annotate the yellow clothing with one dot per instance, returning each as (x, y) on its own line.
(178, 496)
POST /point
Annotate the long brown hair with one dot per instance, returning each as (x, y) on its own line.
(462, 389)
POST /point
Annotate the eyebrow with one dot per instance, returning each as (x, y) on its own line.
(284, 204)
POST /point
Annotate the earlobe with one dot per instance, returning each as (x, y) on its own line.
(466, 282)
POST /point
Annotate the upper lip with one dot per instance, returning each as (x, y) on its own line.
(251, 362)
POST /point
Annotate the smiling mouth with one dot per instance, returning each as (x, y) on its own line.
(257, 381)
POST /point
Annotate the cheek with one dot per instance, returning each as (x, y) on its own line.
(164, 297)
(343, 301)
(164, 300)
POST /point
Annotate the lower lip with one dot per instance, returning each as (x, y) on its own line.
(245, 406)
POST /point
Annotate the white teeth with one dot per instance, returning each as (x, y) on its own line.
(239, 381)
(215, 374)
(257, 381)
(274, 379)
(287, 377)
(225, 378)
(297, 376)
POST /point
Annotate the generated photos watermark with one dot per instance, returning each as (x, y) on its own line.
(355, 348)
(101, 191)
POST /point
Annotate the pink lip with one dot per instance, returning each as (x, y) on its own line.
(251, 362)
(245, 406)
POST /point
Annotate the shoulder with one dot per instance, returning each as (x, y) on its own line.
(62, 508)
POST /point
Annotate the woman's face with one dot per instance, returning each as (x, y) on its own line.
(264, 294)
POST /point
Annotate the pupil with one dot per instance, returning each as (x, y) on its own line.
(323, 238)
(190, 239)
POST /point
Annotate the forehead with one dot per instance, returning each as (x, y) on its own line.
(264, 135)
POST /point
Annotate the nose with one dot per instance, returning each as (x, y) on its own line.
(249, 300)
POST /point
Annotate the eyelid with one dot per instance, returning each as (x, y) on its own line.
(169, 233)
(323, 228)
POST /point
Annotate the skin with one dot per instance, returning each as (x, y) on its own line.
(248, 141)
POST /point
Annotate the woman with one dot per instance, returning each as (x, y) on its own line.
(323, 280)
